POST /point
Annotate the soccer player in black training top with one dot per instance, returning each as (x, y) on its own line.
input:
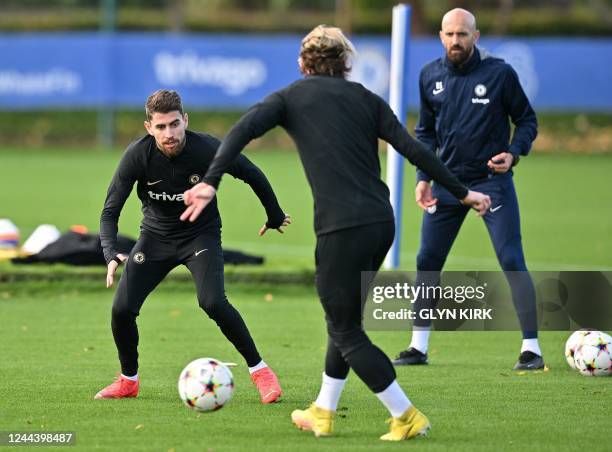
(336, 125)
(164, 163)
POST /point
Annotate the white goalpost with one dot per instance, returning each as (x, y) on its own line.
(398, 100)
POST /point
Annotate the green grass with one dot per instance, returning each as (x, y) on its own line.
(57, 352)
(565, 208)
(56, 348)
(577, 132)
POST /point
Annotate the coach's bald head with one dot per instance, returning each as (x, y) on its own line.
(459, 35)
(460, 15)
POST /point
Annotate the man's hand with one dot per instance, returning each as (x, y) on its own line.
(198, 197)
(286, 222)
(422, 195)
(477, 201)
(501, 163)
(112, 268)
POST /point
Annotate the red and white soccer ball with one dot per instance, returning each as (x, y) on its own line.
(590, 352)
(206, 384)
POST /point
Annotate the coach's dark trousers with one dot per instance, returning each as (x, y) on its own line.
(439, 230)
(340, 258)
(149, 262)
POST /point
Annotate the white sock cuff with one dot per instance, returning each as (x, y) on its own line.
(531, 345)
(394, 399)
(335, 381)
(420, 338)
(329, 395)
(260, 365)
(132, 378)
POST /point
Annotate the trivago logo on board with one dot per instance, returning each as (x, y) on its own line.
(233, 75)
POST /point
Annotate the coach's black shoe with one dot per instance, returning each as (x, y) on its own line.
(529, 361)
(410, 357)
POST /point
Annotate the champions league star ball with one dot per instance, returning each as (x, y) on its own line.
(573, 342)
(206, 384)
(593, 357)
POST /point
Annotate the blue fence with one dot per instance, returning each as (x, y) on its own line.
(233, 71)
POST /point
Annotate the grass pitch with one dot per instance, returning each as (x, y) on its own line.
(57, 352)
(565, 208)
(56, 347)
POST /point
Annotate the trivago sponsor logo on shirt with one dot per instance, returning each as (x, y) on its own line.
(163, 196)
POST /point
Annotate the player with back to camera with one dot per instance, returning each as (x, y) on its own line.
(336, 125)
(466, 100)
(164, 163)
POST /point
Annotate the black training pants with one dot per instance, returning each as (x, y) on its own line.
(151, 259)
(340, 258)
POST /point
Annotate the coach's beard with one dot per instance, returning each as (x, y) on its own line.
(458, 55)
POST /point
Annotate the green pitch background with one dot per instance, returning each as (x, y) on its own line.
(566, 207)
(57, 352)
(56, 347)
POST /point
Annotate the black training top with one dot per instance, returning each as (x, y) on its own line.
(336, 125)
(161, 183)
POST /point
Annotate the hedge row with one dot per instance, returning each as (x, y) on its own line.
(566, 132)
(578, 21)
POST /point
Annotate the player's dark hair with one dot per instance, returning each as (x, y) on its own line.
(326, 51)
(163, 101)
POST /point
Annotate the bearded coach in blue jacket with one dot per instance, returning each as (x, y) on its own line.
(467, 100)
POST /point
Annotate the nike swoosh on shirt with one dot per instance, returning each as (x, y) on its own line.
(156, 182)
(197, 253)
(437, 91)
(495, 209)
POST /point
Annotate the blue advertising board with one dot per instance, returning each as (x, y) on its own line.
(92, 70)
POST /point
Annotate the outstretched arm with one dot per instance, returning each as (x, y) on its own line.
(255, 122)
(245, 170)
(392, 131)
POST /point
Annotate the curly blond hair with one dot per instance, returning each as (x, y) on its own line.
(326, 51)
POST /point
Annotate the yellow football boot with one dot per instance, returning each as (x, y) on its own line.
(409, 425)
(314, 419)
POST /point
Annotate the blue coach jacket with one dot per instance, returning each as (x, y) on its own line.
(465, 114)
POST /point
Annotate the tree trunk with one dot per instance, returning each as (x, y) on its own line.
(176, 10)
(344, 18)
(504, 15)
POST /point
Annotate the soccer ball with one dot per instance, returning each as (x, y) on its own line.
(574, 341)
(593, 356)
(206, 384)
